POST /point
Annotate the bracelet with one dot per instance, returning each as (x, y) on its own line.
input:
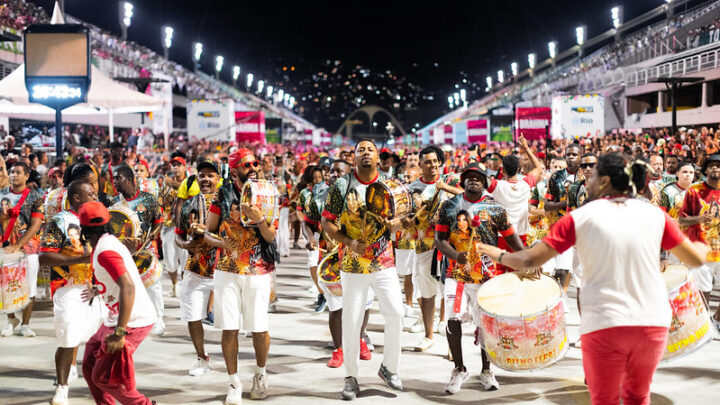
(120, 331)
(500, 257)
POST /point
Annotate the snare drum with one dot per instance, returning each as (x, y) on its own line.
(125, 222)
(264, 195)
(388, 199)
(14, 286)
(148, 266)
(329, 273)
(523, 322)
(690, 325)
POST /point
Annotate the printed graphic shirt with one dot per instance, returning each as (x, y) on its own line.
(32, 207)
(62, 235)
(557, 191)
(577, 194)
(427, 203)
(346, 204)
(671, 199)
(149, 186)
(700, 199)
(146, 206)
(538, 224)
(55, 201)
(195, 210)
(456, 216)
(245, 254)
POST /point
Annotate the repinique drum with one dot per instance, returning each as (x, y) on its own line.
(14, 287)
(55, 201)
(124, 222)
(149, 267)
(329, 273)
(523, 322)
(264, 195)
(388, 199)
(690, 325)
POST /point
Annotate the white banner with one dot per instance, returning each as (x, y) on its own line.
(162, 120)
(577, 116)
(212, 119)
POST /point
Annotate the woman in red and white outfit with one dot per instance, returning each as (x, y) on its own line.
(626, 313)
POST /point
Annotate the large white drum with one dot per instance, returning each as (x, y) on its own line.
(14, 286)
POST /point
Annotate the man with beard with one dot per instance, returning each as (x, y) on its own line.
(197, 283)
(557, 206)
(173, 196)
(147, 208)
(469, 269)
(367, 262)
(671, 168)
(699, 215)
(24, 221)
(658, 166)
(62, 250)
(577, 192)
(431, 186)
(117, 154)
(673, 194)
(242, 279)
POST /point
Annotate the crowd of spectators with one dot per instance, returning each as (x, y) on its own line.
(18, 14)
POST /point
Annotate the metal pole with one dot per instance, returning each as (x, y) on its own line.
(673, 87)
(58, 134)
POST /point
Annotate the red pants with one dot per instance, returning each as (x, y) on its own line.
(105, 394)
(502, 244)
(621, 361)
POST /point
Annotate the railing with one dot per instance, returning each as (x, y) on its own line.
(6, 68)
(691, 64)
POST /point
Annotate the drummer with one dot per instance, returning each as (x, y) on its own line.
(197, 283)
(175, 193)
(368, 262)
(626, 312)
(315, 185)
(242, 279)
(465, 219)
(68, 258)
(427, 285)
(148, 211)
(20, 232)
(142, 174)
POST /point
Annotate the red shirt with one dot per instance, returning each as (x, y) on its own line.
(701, 199)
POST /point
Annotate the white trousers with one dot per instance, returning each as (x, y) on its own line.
(155, 293)
(174, 258)
(355, 287)
(283, 232)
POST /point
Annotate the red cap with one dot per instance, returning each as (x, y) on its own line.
(93, 213)
(54, 171)
(177, 159)
(147, 166)
(237, 156)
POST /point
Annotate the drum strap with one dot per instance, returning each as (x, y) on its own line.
(15, 213)
(457, 304)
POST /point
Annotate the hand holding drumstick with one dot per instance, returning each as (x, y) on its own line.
(495, 252)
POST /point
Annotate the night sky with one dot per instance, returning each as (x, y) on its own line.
(404, 56)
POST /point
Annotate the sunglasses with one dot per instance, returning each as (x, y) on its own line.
(254, 163)
(587, 165)
(415, 153)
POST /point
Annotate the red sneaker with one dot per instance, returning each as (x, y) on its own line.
(365, 353)
(337, 358)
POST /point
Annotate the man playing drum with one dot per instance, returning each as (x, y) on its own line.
(426, 284)
(463, 221)
(20, 230)
(175, 191)
(197, 283)
(242, 278)
(70, 272)
(367, 262)
(147, 208)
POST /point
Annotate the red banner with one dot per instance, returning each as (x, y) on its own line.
(308, 136)
(531, 122)
(449, 139)
(250, 126)
(477, 131)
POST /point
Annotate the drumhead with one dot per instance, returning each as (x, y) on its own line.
(674, 275)
(507, 295)
(10, 258)
(329, 269)
(124, 222)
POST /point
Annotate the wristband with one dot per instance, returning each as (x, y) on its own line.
(120, 331)
(500, 257)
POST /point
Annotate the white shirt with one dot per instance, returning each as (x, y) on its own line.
(110, 260)
(618, 245)
(514, 196)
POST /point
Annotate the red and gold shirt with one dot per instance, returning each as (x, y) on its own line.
(19, 216)
(701, 199)
(62, 235)
(195, 210)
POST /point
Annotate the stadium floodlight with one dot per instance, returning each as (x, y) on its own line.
(552, 49)
(500, 76)
(219, 60)
(616, 15)
(198, 51)
(451, 101)
(280, 94)
(168, 36)
(456, 98)
(514, 68)
(249, 80)
(269, 91)
(261, 84)
(236, 72)
(463, 95)
(292, 101)
(125, 14)
(286, 98)
(531, 60)
(580, 35)
(488, 81)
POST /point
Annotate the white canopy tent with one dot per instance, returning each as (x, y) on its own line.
(105, 97)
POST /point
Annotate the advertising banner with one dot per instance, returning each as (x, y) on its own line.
(460, 132)
(425, 137)
(501, 121)
(326, 139)
(438, 137)
(162, 120)
(477, 131)
(250, 126)
(211, 119)
(273, 130)
(578, 116)
(531, 122)
(308, 136)
(449, 138)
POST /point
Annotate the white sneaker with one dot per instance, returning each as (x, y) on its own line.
(260, 387)
(174, 291)
(440, 328)
(159, 328)
(488, 381)
(417, 327)
(73, 374)
(457, 378)
(201, 366)
(234, 395)
(10, 327)
(409, 311)
(25, 331)
(248, 334)
(424, 345)
(61, 395)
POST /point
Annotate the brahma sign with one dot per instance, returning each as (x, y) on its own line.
(250, 127)
(532, 121)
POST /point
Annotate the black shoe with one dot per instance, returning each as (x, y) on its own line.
(392, 380)
(351, 390)
(321, 303)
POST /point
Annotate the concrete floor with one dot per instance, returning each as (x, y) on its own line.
(298, 356)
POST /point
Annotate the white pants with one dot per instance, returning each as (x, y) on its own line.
(75, 321)
(174, 258)
(155, 293)
(241, 302)
(424, 283)
(33, 268)
(355, 291)
(313, 258)
(405, 261)
(334, 302)
(194, 296)
(469, 309)
(283, 232)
